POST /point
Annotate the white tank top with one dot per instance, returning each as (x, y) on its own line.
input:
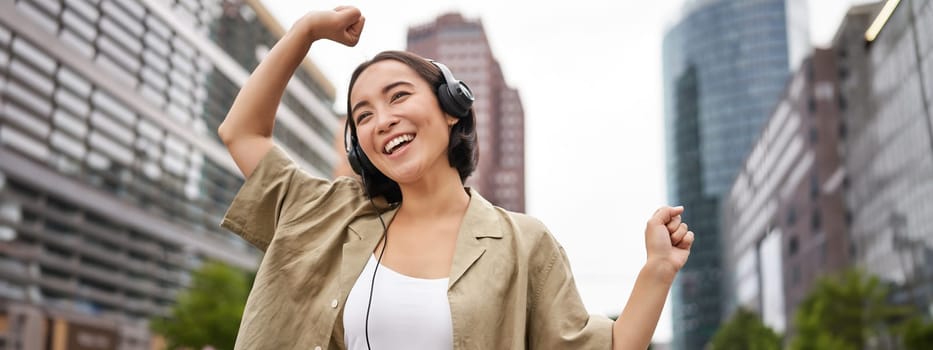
(406, 312)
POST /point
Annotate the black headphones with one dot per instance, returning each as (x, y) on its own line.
(455, 98)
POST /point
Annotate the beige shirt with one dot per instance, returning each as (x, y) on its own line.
(510, 284)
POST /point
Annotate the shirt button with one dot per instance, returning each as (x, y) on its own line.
(317, 348)
(333, 304)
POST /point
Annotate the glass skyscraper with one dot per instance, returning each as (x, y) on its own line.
(113, 180)
(726, 63)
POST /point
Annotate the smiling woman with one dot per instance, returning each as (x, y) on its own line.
(396, 84)
(460, 273)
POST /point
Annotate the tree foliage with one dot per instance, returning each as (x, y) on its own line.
(209, 312)
(744, 330)
(846, 312)
(918, 334)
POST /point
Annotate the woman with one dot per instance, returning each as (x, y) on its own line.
(459, 273)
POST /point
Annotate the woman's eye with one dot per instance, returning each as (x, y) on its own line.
(362, 116)
(399, 95)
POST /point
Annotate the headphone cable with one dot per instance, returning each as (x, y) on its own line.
(385, 239)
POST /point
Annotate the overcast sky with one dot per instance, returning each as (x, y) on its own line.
(589, 74)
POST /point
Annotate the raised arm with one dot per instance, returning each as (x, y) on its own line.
(247, 129)
(668, 243)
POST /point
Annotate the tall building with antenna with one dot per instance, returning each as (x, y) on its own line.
(462, 45)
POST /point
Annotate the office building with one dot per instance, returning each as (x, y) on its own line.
(725, 66)
(461, 44)
(886, 72)
(783, 219)
(113, 181)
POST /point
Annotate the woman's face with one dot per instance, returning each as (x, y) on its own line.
(399, 123)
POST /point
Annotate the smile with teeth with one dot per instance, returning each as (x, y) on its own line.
(397, 142)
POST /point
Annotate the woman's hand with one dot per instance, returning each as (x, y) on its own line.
(343, 24)
(668, 244)
(667, 239)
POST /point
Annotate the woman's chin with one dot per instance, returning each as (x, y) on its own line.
(404, 174)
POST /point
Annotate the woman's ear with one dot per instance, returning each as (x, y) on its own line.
(451, 121)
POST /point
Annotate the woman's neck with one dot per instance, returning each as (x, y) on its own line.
(435, 196)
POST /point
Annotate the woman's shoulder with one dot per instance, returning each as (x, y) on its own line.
(526, 224)
(352, 185)
(529, 239)
(522, 228)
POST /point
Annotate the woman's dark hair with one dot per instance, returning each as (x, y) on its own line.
(462, 149)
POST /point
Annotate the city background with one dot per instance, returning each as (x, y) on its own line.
(796, 133)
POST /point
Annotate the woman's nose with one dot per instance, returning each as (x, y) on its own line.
(386, 122)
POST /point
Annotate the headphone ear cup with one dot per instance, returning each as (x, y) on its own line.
(354, 161)
(449, 103)
(359, 162)
(455, 100)
(355, 156)
(365, 165)
(352, 149)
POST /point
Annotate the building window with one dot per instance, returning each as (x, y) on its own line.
(824, 253)
(814, 185)
(792, 247)
(791, 216)
(816, 221)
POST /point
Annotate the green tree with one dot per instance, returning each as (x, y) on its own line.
(845, 312)
(209, 312)
(918, 334)
(744, 330)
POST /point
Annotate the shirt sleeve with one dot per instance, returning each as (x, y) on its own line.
(558, 318)
(277, 193)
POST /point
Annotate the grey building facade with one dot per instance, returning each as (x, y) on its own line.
(886, 71)
(113, 181)
(784, 215)
(726, 63)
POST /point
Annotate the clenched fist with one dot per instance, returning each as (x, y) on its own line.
(343, 24)
(667, 239)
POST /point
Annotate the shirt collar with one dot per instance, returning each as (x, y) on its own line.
(480, 221)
